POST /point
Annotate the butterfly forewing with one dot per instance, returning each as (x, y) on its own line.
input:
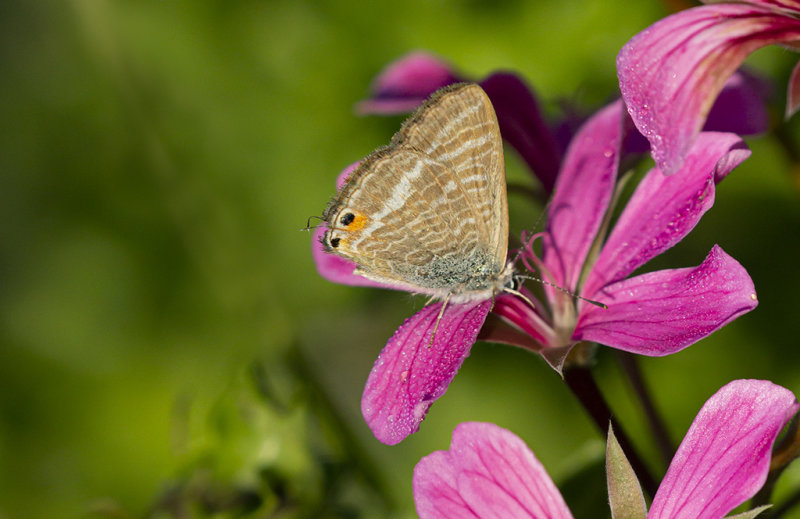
(429, 212)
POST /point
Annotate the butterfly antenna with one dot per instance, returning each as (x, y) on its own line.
(572, 294)
(308, 223)
(535, 226)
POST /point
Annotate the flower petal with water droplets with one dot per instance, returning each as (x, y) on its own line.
(671, 72)
(663, 209)
(662, 312)
(582, 194)
(411, 373)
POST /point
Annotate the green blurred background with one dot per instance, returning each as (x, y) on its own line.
(165, 340)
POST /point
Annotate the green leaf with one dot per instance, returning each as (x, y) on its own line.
(624, 492)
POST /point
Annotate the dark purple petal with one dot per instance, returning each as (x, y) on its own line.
(410, 373)
(741, 106)
(671, 72)
(725, 456)
(793, 93)
(522, 125)
(664, 209)
(567, 125)
(634, 142)
(662, 312)
(582, 195)
(496, 476)
(405, 83)
(435, 488)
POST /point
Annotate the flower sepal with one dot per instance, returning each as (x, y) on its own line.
(750, 513)
(624, 492)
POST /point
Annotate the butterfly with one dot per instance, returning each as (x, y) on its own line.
(429, 212)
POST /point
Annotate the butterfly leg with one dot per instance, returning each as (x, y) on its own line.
(438, 318)
(521, 296)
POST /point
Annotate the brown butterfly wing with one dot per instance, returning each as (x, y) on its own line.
(429, 212)
(458, 127)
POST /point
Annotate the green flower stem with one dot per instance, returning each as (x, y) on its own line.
(654, 419)
(361, 461)
(582, 384)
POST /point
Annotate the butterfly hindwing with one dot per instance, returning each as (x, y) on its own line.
(429, 212)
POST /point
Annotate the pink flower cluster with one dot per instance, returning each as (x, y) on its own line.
(653, 314)
(684, 100)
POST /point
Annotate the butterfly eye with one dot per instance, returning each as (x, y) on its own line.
(348, 219)
(335, 242)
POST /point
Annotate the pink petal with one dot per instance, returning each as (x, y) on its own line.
(725, 456)
(522, 125)
(664, 209)
(405, 83)
(500, 478)
(519, 313)
(410, 373)
(740, 108)
(788, 6)
(496, 476)
(436, 494)
(671, 72)
(582, 195)
(793, 94)
(663, 312)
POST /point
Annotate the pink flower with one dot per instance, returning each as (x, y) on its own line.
(655, 313)
(722, 462)
(671, 73)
